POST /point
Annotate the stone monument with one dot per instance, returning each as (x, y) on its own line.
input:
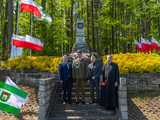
(80, 37)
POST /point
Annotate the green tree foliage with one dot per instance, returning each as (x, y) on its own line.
(111, 24)
(123, 21)
(52, 34)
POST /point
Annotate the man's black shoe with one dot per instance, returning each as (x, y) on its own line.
(69, 102)
(90, 102)
(77, 102)
(83, 102)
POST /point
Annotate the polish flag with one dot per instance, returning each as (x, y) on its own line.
(27, 42)
(158, 49)
(16, 39)
(138, 46)
(146, 46)
(154, 43)
(30, 6)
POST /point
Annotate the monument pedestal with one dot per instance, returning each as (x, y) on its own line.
(83, 47)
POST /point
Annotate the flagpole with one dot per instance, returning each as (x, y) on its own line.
(16, 26)
(17, 16)
(31, 31)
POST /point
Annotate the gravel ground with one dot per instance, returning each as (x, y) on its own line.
(29, 110)
(141, 106)
(144, 106)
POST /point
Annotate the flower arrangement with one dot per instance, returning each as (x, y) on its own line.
(128, 63)
(40, 63)
(136, 62)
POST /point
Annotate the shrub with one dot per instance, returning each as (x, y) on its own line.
(128, 63)
(40, 63)
(136, 62)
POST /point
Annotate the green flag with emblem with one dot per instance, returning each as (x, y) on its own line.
(11, 97)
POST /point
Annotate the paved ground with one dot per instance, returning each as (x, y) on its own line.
(82, 112)
(29, 111)
(144, 106)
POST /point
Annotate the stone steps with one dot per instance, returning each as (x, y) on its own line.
(87, 94)
(86, 88)
(82, 118)
(82, 112)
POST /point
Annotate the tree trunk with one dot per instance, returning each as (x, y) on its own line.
(4, 34)
(7, 29)
(71, 24)
(43, 3)
(93, 38)
(10, 24)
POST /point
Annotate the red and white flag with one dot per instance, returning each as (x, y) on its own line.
(27, 42)
(30, 6)
(138, 46)
(145, 45)
(154, 43)
(34, 43)
(16, 39)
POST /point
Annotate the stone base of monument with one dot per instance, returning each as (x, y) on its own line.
(83, 47)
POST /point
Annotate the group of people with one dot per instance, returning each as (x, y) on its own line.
(84, 68)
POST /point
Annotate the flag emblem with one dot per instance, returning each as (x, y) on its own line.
(4, 96)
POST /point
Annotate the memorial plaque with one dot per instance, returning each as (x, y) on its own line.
(80, 37)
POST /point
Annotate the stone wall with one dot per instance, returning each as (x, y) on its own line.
(123, 106)
(46, 82)
(134, 82)
(43, 82)
(143, 81)
(46, 87)
(25, 77)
